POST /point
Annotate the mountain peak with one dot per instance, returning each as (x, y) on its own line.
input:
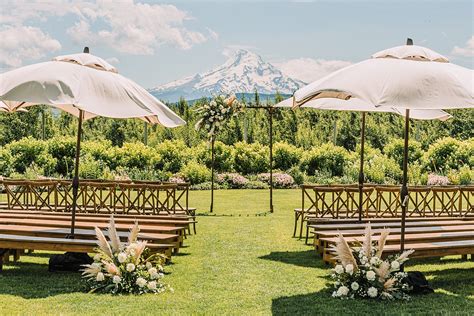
(243, 72)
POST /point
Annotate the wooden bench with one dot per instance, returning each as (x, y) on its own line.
(327, 242)
(18, 242)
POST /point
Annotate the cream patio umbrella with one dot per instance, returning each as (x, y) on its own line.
(85, 86)
(406, 78)
(357, 105)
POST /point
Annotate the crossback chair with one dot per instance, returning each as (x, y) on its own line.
(388, 201)
(446, 200)
(466, 196)
(420, 201)
(307, 206)
(352, 201)
(18, 194)
(99, 197)
(43, 194)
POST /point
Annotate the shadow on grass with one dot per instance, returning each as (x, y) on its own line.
(307, 258)
(32, 280)
(454, 289)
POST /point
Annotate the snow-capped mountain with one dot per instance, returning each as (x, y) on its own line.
(244, 72)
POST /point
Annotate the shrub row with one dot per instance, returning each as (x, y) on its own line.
(29, 157)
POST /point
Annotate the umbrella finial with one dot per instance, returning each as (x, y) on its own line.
(409, 41)
(86, 50)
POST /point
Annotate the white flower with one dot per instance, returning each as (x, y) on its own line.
(374, 261)
(152, 285)
(213, 103)
(96, 265)
(211, 119)
(100, 277)
(141, 282)
(350, 268)
(339, 269)
(154, 276)
(395, 265)
(132, 251)
(116, 279)
(97, 257)
(148, 265)
(355, 286)
(122, 257)
(212, 112)
(152, 271)
(342, 291)
(363, 260)
(370, 275)
(130, 267)
(372, 292)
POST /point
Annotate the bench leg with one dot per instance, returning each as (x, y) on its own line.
(2, 254)
(464, 257)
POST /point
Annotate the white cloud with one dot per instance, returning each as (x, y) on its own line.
(467, 50)
(24, 42)
(112, 60)
(134, 28)
(309, 69)
(126, 26)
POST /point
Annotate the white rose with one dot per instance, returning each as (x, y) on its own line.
(213, 103)
(122, 257)
(363, 260)
(116, 279)
(395, 265)
(141, 282)
(355, 286)
(372, 292)
(130, 267)
(96, 265)
(152, 285)
(339, 269)
(370, 275)
(152, 271)
(100, 277)
(154, 276)
(148, 265)
(350, 268)
(374, 261)
(342, 291)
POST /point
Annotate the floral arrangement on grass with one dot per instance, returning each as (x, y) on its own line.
(362, 273)
(124, 268)
(434, 179)
(214, 114)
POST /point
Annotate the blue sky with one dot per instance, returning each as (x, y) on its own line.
(157, 43)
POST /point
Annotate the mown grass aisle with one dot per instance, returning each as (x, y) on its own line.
(238, 263)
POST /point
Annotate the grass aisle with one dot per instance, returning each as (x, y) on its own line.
(238, 263)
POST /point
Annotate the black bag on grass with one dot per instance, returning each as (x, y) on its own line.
(418, 283)
(70, 261)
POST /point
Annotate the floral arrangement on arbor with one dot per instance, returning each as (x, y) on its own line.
(362, 273)
(124, 268)
(214, 114)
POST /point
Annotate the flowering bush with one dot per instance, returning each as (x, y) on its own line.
(434, 179)
(362, 273)
(233, 180)
(280, 180)
(217, 112)
(124, 268)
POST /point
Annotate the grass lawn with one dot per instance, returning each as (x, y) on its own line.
(242, 261)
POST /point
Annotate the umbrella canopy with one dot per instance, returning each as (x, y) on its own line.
(404, 77)
(84, 82)
(358, 105)
(6, 107)
(85, 86)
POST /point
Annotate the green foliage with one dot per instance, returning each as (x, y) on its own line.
(285, 156)
(250, 158)
(27, 151)
(325, 158)
(6, 162)
(137, 155)
(89, 168)
(449, 153)
(223, 155)
(63, 149)
(195, 173)
(174, 155)
(395, 148)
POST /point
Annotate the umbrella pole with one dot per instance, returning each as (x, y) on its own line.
(361, 168)
(404, 189)
(75, 180)
(270, 113)
(211, 209)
